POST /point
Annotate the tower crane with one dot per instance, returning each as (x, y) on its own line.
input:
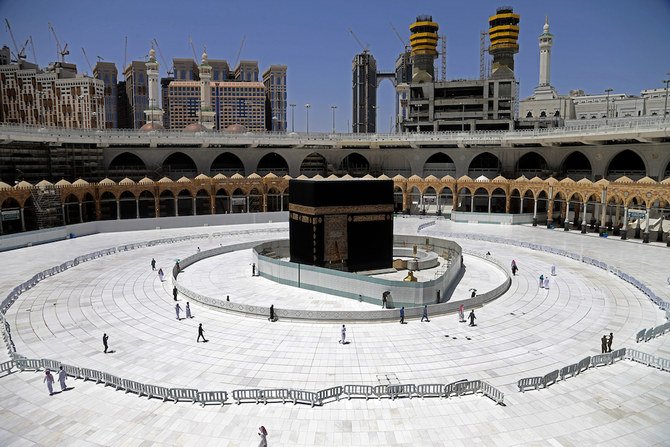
(87, 61)
(402, 41)
(195, 56)
(32, 47)
(62, 52)
(18, 52)
(160, 53)
(366, 48)
(239, 52)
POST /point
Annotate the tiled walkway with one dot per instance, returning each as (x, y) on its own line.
(528, 331)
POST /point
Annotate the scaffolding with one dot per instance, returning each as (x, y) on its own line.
(484, 65)
(48, 207)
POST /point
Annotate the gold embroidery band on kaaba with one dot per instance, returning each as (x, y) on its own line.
(358, 209)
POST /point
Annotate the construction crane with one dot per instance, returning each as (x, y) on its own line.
(402, 41)
(443, 57)
(195, 56)
(239, 52)
(160, 53)
(62, 52)
(483, 65)
(87, 61)
(32, 47)
(366, 48)
(16, 47)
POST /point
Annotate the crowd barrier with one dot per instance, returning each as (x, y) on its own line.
(662, 304)
(647, 334)
(592, 362)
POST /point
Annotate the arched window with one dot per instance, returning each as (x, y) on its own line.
(543, 114)
(529, 114)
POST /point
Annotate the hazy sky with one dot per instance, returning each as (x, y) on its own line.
(598, 44)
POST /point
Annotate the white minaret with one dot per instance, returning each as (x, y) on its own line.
(154, 114)
(206, 112)
(544, 90)
(546, 41)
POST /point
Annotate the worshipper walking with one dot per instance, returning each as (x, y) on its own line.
(253, 269)
(177, 309)
(402, 315)
(61, 379)
(201, 333)
(603, 344)
(546, 282)
(49, 379)
(472, 317)
(514, 267)
(272, 313)
(425, 314)
(553, 270)
(174, 293)
(609, 342)
(344, 335)
(188, 311)
(263, 433)
(153, 264)
(104, 341)
(161, 275)
(541, 281)
(461, 314)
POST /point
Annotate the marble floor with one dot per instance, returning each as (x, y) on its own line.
(528, 331)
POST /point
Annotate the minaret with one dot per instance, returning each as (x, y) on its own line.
(154, 114)
(206, 112)
(544, 90)
(546, 41)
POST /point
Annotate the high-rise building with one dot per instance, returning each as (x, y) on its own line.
(220, 70)
(5, 55)
(206, 109)
(246, 71)
(123, 112)
(136, 89)
(185, 69)
(274, 79)
(424, 48)
(364, 80)
(30, 96)
(107, 73)
(504, 36)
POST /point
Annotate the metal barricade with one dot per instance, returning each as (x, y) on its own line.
(247, 394)
(550, 378)
(453, 388)
(329, 393)
(618, 354)
(208, 397)
(6, 366)
(308, 397)
(568, 371)
(430, 390)
(601, 359)
(583, 364)
(366, 391)
(53, 365)
(32, 364)
(529, 382)
(381, 391)
(111, 380)
(183, 394)
(401, 390)
(493, 393)
(640, 336)
(132, 386)
(159, 392)
(274, 394)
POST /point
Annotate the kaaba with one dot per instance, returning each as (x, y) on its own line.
(341, 224)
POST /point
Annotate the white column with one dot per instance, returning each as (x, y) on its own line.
(583, 213)
(194, 206)
(118, 209)
(535, 208)
(646, 221)
(489, 203)
(176, 206)
(23, 221)
(62, 208)
(625, 219)
(472, 202)
(137, 208)
(81, 214)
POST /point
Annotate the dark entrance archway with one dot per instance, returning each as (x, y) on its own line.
(626, 163)
(227, 164)
(274, 163)
(179, 165)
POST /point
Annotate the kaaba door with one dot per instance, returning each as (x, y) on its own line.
(335, 238)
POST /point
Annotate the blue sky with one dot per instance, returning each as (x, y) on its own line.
(598, 44)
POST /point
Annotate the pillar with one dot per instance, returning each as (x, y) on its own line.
(566, 221)
(405, 208)
(194, 206)
(437, 203)
(118, 209)
(137, 207)
(550, 213)
(176, 206)
(1, 229)
(603, 212)
(616, 219)
(212, 202)
(23, 221)
(62, 210)
(157, 205)
(534, 212)
(489, 203)
(584, 217)
(624, 228)
(98, 212)
(81, 213)
(645, 237)
(264, 208)
(472, 202)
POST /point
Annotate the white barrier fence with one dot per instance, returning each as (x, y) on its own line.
(660, 302)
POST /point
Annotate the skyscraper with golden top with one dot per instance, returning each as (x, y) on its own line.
(424, 48)
(504, 36)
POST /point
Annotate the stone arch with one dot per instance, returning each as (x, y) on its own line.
(255, 200)
(481, 200)
(71, 210)
(274, 200)
(414, 198)
(439, 164)
(355, 164)
(88, 207)
(464, 200)
(446, 200)
(628, 163)
(272, 162)
(227, 164)
(576, 166)
(314, 164)
(128, 165)
(108, 210)
(239, 201)
(396, 164)
(221, 201)
(127, 205)
(10, 207)
(429, 200)
(166, 204)
(202, 202)
(147, 204)
(397, 199)
(498, 200)
(185, 203)
(485, 164)
(178, 165)
(515, 201)
(531, 164)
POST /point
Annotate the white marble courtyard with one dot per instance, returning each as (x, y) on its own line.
(528, 331)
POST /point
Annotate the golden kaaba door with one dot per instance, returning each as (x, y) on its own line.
(335, 238)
